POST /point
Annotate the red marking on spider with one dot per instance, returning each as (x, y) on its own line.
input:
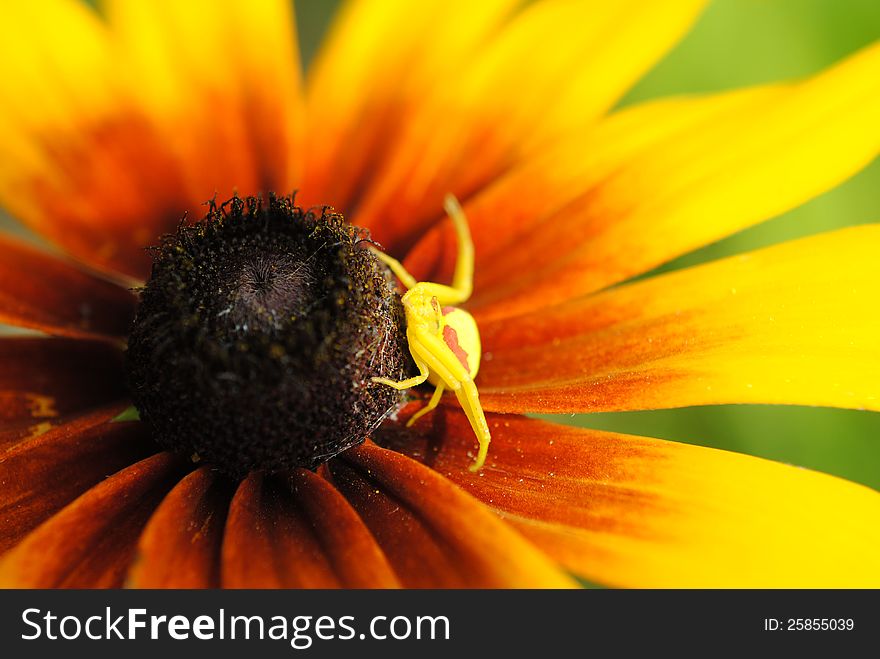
(450, 337)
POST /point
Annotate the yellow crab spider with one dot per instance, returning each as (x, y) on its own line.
(444, 340)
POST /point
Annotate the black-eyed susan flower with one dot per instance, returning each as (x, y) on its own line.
(259, 459)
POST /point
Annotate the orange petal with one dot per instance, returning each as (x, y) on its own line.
(42, 380)
(109, 135)
(103, 196)
(435, 535)
(43, 474)
(180, 547)
(637, 512)
(91, 542)
(377, 64)
(511, 100)
(513, 209)
(16, 433)
(657, 180)
(81, 163)
(42, 292)
(222, 82)
(792, 324)
(298, 534)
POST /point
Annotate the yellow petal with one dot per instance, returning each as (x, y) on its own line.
(481, 113)
(507, 217)
(378, 63)
(56, 62)
(223, 78)
(659, 180)
(792, 324)
(109, 136)
(67, 134)
(636, 512)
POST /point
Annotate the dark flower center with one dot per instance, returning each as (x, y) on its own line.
(257, 335)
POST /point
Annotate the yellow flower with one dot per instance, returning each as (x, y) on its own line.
(114, 126)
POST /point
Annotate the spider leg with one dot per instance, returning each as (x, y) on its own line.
(463, 277)
(469, 400)
(445, 365)
(437, 355)
(432, 404)
(409, 383)
(396, 267)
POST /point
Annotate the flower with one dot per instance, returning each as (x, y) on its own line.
(111, 128)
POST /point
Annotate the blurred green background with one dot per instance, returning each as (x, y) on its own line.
(736, 43)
